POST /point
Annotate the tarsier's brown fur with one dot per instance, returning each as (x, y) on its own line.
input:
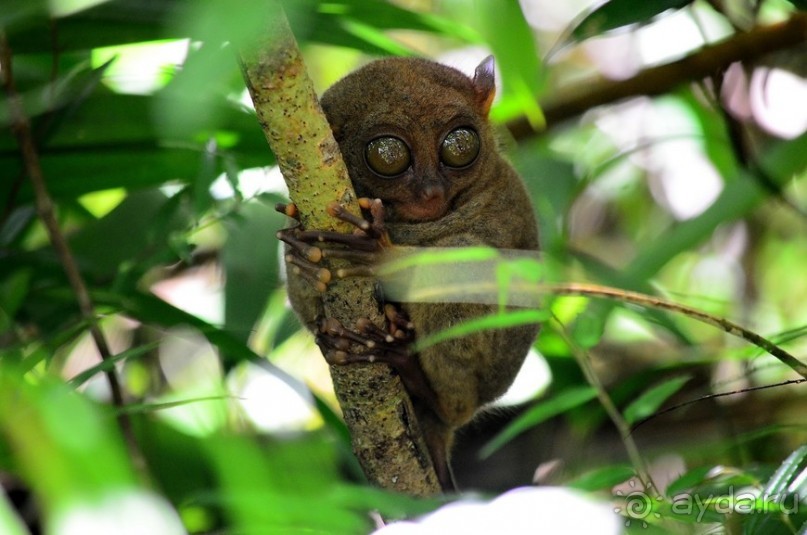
(431, 204)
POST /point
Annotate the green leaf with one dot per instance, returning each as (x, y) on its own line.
(10, 523)
(512, 42)
(501, 320)
(109, 245)
(64, 93)
(540, 412)
(250, 258)
(603, 478)
(72, 174)
(66, 448)
(13, 290)
(361, 25)
(108, 364)
(784, 490)
(19, 13)
(648, 403)
(792, 469)
(271, 488)
(106, 24)
(589, 327)
(619, 13)
(689, 480)
(139, 408)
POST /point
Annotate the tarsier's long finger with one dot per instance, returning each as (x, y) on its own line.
(377, 211)
(332, 327)
(369, 328)
(355, 271)
(316, 276)
(358, 257)
(338, 211)
(397, 318)
(309, 252)
(340, 358)
(356, 241)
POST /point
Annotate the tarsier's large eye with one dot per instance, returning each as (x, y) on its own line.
(459, 148)
(388, 156)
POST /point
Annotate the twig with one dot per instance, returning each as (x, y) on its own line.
(662, 79)
(584, 361)
(715, 396)
(594, 290)
(21, 127)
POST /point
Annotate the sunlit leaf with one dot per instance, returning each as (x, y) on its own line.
(271, 488)
(512, 42)
(10, 523)
(66, 447)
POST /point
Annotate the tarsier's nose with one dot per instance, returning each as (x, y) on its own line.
(432, 193)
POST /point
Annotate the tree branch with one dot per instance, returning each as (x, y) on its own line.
(375, 405)
(662, 79)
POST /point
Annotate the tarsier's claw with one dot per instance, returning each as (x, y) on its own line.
(395, 317)
(288, 209)
(366, 326)
(333, 328)
(338, 211)
(358, 271)
(316, 276)
(291, 236)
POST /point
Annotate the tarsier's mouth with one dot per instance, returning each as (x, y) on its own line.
(428, 210)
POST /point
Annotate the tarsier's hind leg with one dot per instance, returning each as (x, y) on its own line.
(391, 348)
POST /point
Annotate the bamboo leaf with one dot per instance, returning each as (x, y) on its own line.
(620, 13)
(650, 401)
(540, 412)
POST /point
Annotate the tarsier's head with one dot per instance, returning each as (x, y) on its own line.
(414, 133)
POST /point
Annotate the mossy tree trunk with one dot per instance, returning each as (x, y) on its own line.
(375, 405)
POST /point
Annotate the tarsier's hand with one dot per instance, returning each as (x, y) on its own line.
(307, 248)
(361, 249)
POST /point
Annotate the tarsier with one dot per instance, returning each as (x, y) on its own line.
(424, 160)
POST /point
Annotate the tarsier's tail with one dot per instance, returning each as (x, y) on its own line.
(438, 437)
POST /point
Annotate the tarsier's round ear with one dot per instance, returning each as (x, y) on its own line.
(484, 82)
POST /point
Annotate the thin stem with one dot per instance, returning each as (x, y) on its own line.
(584, 361)
(595, 290)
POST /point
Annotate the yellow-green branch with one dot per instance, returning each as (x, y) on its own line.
(375, 405)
